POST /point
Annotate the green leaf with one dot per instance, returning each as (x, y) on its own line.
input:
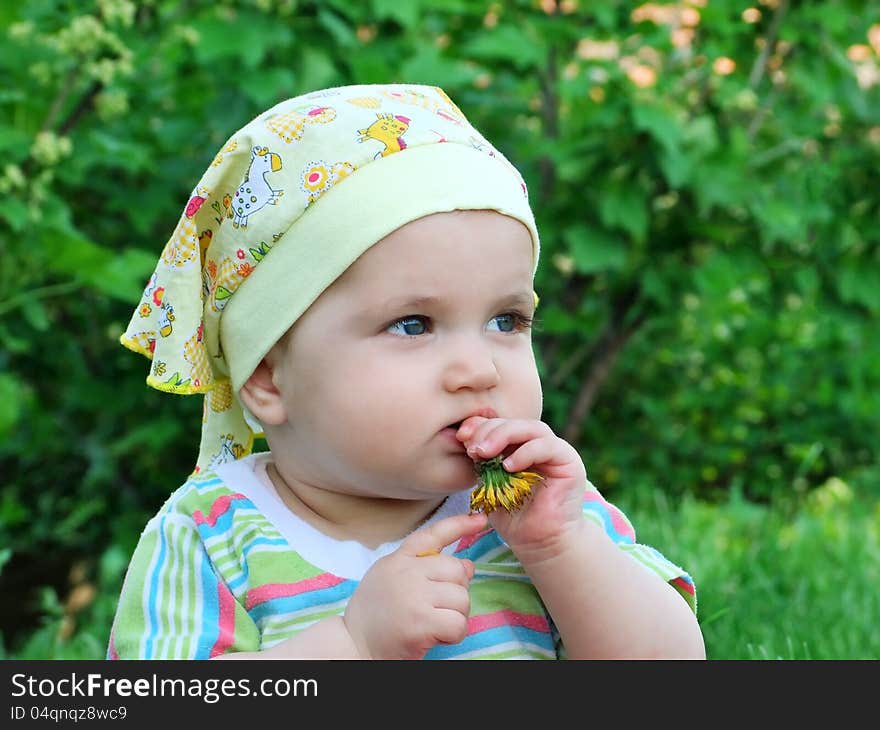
(118, 275)
(427, 66)
(661, 121)
(717, 183)
(506, 43)
(449, 7)
(317, 70)
(624, 206)
(594, 250)
(12, 511)
(106, 149)
(246, 39)
(340, 31)
(555, 320)
(657, 287)
(10, 402)
(808, 282)
(14, 212)
(722, 272)
(700, 136)
(16, 141)
(860, 284)
(14, 343)
(782, 220)
(123, 276)
(370, 65)
(34, 312)
(271, 86)
(405, 13)
(676, 166)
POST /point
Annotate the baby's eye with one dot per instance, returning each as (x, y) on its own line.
(410, 326)
(510, 322)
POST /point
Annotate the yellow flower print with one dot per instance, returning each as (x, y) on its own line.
(159, 368)
(315, 177)
(319, 177)
(145, 310)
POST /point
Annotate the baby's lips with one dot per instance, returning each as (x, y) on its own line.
(485, 413)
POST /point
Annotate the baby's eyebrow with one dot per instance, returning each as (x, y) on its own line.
(415, 302)
(524, 299)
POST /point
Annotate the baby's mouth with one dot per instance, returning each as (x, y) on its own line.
(486, 412)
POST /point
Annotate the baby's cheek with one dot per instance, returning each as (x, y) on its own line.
(530, 395)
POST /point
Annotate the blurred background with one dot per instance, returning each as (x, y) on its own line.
(706, 179)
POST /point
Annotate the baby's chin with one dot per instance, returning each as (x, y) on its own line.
(456, 476)
(436, 482)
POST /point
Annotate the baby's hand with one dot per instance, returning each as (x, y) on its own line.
(416, 597)
(538, 530)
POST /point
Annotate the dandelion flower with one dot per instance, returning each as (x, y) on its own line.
(499, 488)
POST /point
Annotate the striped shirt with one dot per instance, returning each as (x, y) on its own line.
(224, 566)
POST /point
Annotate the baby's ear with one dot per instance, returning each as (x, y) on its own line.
(262, 397)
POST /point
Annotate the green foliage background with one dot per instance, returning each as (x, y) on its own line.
(705, 177)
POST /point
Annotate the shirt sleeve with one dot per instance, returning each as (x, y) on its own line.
(621, 531)
(173, 603)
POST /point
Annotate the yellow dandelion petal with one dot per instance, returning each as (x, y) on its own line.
(507, 503)
(518, 482)
(500, 488)
(490, 499)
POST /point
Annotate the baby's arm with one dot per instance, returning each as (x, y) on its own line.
(606, 605)
(603, 602)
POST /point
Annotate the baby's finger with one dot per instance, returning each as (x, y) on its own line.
(444, 532)
(451, 596)
(468, 426)
(449, 626)
(491, 438)
(448, 569)
(537, 451)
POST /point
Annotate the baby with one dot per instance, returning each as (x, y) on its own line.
(352, 279)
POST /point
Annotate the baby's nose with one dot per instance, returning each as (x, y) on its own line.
(471, 365)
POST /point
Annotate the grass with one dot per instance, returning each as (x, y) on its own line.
(772, 582)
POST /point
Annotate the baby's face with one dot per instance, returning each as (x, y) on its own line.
(426, 328)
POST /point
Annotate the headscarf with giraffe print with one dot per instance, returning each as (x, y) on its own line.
(288, 203)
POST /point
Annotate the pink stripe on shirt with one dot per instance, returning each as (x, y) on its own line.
(619, 522)
(285, 590)
(218, 509)
(227, 620)
(506, 618)
(684, 585)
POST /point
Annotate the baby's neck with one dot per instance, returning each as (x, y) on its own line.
(370, 521)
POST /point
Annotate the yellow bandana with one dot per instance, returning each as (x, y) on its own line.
(287, 205)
